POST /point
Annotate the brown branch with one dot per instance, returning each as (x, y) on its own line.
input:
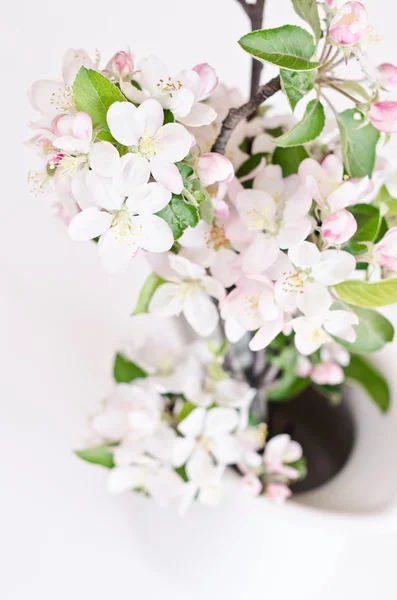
(236, 115)
(255, 14)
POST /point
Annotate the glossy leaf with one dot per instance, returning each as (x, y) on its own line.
(125, 371)
(179, 215)
(308, 11)
(373, 330)
(296, 84)
(306, 130)
(361, 372)
(289, 159)
(368, 227)
(288, 47)
(149, 287)
(358, 143)
(249, 165)
(368, 295)
(101, 455)
(94, 94)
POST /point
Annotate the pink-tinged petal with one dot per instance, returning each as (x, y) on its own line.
(257, 209)
(220, 421)
(71, 145)
(278, 492)
(251, 484)
(152, 233)
(82, 126)
(148, 199)
(383, 116)
(104, 191)
(303, 367)
(151, 115)
(345, 195)
(72, 62)
(208, 80)
(214, 168)
(172, 142)
(266, 334)
(167, 174)
(349, 25)
(298, 204)
(125, 123)
(201, 313)
(338, 227)
(115, 251)
(260, 254)
(104, 159)
(387, 76)
(304, 255)
(334, 168)
(42, 94)
(327, 373)
(316, 180)
(385, 251)
(199, 115)
(226, 267)
(121, 65)
(152, 72)
(213, 287)
(185, 268)
(167, 301)
(270, 179)
(315, 300)
(89, 224)
(133, 170)
(293, 233)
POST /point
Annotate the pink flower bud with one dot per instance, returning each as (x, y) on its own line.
(77, 125)
(383, 116)
(278, 492)
(303, 367)
(214, 168)
(385, 251)
(339, 227)
(327, 373)
(387, 76)
(121, 65)
(208, 81)
(251, 484)
(349, 25)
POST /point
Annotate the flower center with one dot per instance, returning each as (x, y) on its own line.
(217, 237)
(169, 86)
(295, 282)
(189, 289)
(147, 147)
(63, 100)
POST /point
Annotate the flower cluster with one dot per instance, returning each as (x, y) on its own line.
(282, 243)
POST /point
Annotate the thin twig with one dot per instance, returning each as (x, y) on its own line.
(255, 15)
(236, 115)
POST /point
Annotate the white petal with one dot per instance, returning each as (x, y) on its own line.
(200, 469)
(104, 158)
(172, 142)
(193, 424)
(220, 421)
(104, 191)
(71, 145)
(163, 485)
(185, 268)
(42, 94)
(89, 224)
(133, 170)
(335, 266)
(123, 479)
(167, 300)
(200, 114)
(180, 102)
(116, 251)
(81, 193)
(167, 174)
(233, 330)
(183, 448)
(315, 300)
(270, 179)
(132, 93)
(148, 199)
(304, 255)
(213, 287)
(257, 209)
(260, 254)
(226, 449)
(151, 115)
(201, 313)
(124, 122)
(153, 71)
(293, 233)
(266, 334)
(286, 296)
(151, 233)
(344, 196)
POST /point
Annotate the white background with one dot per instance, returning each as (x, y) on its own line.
(61, 318)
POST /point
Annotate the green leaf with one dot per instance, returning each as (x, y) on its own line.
(368, 295)
(101, 455)
(296, 84)
(288, 47)
(181, 471)
(301, 466)
(360, 371)
(206, 209)
(94, 94)
(306, 130)
(373, 330)
(384, 197)
(358, 143)
(149, 287)
(288, 384)
(168, 116)
(187, 408)
(249, 165)
(308, 11)
(333, 393)
(368, 227)
(289, 159)
(125, 371)
(179, 215)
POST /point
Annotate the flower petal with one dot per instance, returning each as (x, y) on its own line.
(89, 224)
(172, 142)
(133, 170)
(148, 199)
(151, 233)
(220, 420)
(167, 300)
(125, 123)
(199, 114)
(201, 313)
(193, 424)
(104, 191)
(115, 251)
(104, 158)
(167, 174)
(151, 115)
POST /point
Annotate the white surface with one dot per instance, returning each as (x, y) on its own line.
(61, 318)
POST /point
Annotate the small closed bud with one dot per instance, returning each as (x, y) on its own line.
(387, 76)
(208, 80)
(278, 492)
(121, 66)
(350, 24)
(214, 168)
(327, 373)
(339, 227)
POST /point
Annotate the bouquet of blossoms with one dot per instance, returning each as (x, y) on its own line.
(272, 236)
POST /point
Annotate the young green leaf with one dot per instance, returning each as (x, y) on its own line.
(308, 11)
(249, 165)
(289, 159)
(368, 295)
(149, 287)
(296, 84)
(288, 384)
(360, 371)
(306, 130)
(94, 94)
(373, 330)
(101, 455)
(358, 143)
(369, 227)
(179, 215)
(125, 371)
(288, 47)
